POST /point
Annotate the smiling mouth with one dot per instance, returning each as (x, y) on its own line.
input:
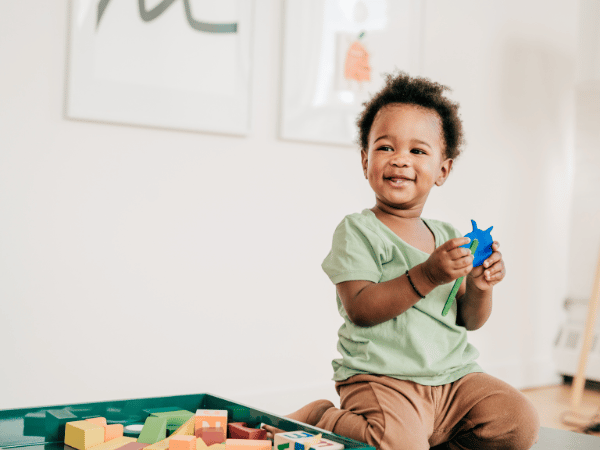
(397, 180)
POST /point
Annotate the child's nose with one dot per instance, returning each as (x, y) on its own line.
(400, 159)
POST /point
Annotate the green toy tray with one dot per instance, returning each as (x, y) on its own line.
(42, 428)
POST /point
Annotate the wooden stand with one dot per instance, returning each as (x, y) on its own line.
(590, 323)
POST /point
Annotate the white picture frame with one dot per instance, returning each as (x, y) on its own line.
(176, 64)
(321, 100)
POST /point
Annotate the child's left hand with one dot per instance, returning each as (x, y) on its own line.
(491, 272)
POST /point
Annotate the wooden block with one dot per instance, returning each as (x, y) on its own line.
(295, 440)
(82, 434)
(134, 446)
(211, 435)
(206, 418)
(160, 445)
(111, 431)
(200, 444)
(239, 430)
(187, 428)
(97, 420)
(34, 424)
(155, 430)
(174, 418)
(114, 444)
(182, 442)
(326, 444)
(218, 447)
(248, 444)
(55, 422)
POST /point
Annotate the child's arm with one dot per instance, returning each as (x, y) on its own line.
(475, 303)
(368, 304)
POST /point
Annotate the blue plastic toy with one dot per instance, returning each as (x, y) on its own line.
(484, 249)
(481, 247)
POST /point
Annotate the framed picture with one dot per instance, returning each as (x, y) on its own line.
(179, 64)
(336, 53)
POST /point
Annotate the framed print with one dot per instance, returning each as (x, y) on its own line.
(336, 53)
(182, 64)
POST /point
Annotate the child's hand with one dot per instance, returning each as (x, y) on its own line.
(449, 262)
(491, 272)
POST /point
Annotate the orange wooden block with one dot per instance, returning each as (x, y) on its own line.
(211, 435)
(97, 420)
(207, 418)
(111, 431)
(182, 442)
(248, 444)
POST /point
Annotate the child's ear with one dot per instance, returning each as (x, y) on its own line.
(444, 172)
(365, 162)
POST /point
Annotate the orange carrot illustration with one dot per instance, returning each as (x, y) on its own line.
(356, 66)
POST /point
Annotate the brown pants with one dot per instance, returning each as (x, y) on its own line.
(475, 412)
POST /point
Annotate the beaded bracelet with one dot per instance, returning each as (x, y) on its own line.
(413, 285)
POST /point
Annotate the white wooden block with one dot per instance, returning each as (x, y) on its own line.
(303, 440)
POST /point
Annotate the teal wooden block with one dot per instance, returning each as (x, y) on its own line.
(56, 420)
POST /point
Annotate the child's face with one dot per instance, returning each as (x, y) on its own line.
(405, 157)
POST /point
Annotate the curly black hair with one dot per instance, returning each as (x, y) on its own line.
(402, 88)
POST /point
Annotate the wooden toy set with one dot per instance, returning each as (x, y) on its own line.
(207, 429)
(189, 422)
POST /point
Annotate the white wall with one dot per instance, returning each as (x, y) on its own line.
(128, 252)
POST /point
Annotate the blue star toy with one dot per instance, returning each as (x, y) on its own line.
(481, 247)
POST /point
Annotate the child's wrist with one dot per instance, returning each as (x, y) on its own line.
(422, 279)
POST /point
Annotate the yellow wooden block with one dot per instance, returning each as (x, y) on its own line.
(82, 434)
(160, 445)
(200, 444)
(115, 443)
(217, 446)
(186, 429)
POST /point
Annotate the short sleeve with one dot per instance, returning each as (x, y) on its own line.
(354, 254)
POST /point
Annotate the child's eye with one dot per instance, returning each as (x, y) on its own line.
(386, 148)
(418, 151)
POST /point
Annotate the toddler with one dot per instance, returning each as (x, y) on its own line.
(407, 376)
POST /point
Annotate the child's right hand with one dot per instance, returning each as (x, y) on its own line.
(449, 262)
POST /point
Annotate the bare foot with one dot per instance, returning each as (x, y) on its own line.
(271, 431)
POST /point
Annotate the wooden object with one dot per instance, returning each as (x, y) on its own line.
(182, 442)
(206, 418)
(211, 435)
(82, 434)
(239, 430)
(248, 444)
(590, 323)
(114, 444)
(289, 440)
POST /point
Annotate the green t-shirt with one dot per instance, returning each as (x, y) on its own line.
(420, 344)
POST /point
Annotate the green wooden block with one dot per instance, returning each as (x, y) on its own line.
(155, 429)
(174, 418)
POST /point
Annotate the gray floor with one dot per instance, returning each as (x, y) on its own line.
(552, 439)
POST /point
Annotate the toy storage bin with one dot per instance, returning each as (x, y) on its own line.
(42, 428)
